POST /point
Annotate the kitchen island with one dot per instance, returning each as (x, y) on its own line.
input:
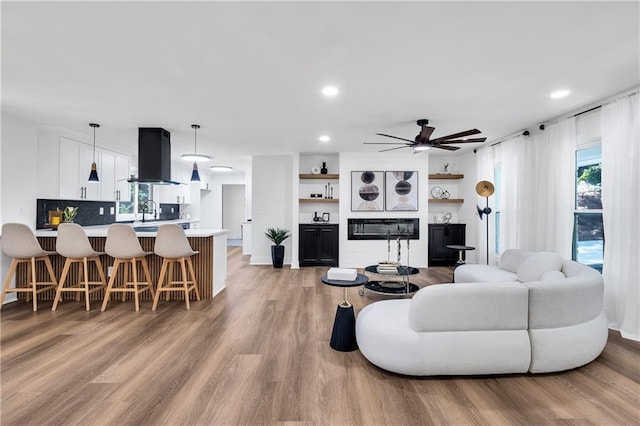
(210, 264)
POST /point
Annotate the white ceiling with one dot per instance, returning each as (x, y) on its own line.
(250, 73)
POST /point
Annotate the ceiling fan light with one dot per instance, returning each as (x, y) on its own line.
(421, 147)
(195, 157)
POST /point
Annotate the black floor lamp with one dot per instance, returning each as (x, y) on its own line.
(484, 188)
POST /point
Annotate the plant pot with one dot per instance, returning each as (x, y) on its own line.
(277, 256)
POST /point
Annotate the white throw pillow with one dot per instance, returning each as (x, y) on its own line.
(552, 276)
(533, 267)
(511, 259)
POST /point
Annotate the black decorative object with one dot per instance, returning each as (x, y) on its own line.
(485, 189)
(323, 170)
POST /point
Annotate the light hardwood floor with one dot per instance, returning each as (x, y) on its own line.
(259, 354)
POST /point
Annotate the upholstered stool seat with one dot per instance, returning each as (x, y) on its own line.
(19, 242)
(123, 245)
(73, 243)
(173, 246)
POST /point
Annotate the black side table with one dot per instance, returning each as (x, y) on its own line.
(461, 256)
(343, 337)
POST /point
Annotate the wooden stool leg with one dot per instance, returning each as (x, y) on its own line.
(163, 271)
(52, 274)
(147, 275)
(134, 273)
(85, 266)
(7, 282)
(112, 279)
(193, 278)
(63, 279)
(185, 284)
(34, 287)
(125, 278)
(170, 268)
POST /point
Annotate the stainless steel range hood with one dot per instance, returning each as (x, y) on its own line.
(154, 157)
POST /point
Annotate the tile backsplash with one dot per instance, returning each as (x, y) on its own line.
(89, 212)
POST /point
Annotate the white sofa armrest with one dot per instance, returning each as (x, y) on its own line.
(469, 307)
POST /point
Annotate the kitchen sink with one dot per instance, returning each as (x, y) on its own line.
(145, 228)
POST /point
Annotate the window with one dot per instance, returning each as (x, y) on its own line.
(142, 196)
(588, 231)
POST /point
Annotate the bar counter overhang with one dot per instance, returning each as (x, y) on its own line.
(210, 263)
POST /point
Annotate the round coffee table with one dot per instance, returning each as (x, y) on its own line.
(343, 337)
(393, 287)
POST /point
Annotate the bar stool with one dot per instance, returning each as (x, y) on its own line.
(74, 244)
(123, 245)
(173, 246)
(20, 243)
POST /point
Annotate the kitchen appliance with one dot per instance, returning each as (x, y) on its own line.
(154, 157)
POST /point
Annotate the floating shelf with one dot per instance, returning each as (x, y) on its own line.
(445, 200)
(318, 200)
(319, 177)
(446, 176)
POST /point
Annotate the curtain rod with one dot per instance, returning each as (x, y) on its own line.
(583, 110)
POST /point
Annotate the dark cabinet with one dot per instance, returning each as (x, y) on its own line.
(318, 245)
(442, 235)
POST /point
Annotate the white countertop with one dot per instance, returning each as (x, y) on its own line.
(101, 231)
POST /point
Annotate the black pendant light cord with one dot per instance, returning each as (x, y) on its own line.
(195, 138)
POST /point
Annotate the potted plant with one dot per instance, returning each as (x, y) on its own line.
(69, 213)
(277, 236)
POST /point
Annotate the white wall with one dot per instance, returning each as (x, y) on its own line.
(357, 254)
(18, 151)
(271, 204)
(211, 200)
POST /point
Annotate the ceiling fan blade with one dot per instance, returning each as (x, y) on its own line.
(448, 148)
(457, 135)
(472, 140)
(426, 132)
(383, 143)
(395, 137)
(391, 149)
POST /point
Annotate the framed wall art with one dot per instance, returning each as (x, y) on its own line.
(401, 191)
(367, 191)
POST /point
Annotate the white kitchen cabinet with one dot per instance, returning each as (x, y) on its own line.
(122, 173)
(107, 175)
(75, 160)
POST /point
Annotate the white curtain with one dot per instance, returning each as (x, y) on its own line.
(621, 206)
(484, 167)
(552, 197)
(537, 189)
(515, 172)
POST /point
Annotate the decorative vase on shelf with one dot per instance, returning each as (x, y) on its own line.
(323, 170)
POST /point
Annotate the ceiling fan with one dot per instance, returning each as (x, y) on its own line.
(422, 141)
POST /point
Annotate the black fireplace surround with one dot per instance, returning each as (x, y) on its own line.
(381, 229)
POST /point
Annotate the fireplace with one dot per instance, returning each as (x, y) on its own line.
(381, 229)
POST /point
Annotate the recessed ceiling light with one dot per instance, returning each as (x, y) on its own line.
(221, 168)
(559, 94)
(324, 138)
(330, 91)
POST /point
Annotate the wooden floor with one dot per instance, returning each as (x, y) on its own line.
(259, 354)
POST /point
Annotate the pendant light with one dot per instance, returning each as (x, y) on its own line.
(93, 176)
(195, 175)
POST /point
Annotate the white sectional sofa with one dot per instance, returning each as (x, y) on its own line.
(535, 313)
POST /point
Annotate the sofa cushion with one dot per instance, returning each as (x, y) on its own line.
(511, 259)
(535, 265)
(470, 273)
(552, 276)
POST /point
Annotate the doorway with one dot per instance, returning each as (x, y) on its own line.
(233, 210)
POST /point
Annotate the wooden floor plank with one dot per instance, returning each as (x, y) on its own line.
(259, 354)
